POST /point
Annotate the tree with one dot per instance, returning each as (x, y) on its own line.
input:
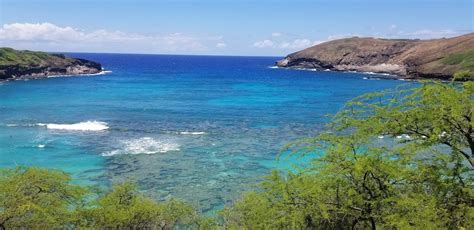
(37, 198)
(436, 124)
(396, 159)
(432, 115)
(124, 207)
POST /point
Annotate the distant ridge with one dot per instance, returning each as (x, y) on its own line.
(24, 64)
(436, 58)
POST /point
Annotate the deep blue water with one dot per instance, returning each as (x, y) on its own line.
(199, 128)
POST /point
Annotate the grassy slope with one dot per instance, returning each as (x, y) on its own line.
(18, 63)
(464, 60)
(9, 56)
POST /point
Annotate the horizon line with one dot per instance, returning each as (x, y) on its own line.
(165, 54)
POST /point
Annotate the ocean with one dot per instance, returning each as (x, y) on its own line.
(202, 129)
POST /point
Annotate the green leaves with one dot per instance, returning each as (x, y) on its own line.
(44, 199)
(124, 207)
(36, 198)
(396, 159)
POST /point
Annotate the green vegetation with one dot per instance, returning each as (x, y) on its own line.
(125, 208)
(9, 56)
(36, 198)
(422, 181)
(33, 198)
(418, 176)
(465, 75)
(465, 60)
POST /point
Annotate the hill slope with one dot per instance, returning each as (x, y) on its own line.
(15, 64)
(436, 58)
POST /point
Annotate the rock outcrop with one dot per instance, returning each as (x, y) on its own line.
(436, 58)
(15, 64)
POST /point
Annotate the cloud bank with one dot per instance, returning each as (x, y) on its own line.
(285, 43)
(51, 37)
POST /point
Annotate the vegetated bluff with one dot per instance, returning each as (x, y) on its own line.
(436, 58)
(16, 64)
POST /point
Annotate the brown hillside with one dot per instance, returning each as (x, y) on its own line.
(436, 58)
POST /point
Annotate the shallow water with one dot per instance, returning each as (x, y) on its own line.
(198, 128)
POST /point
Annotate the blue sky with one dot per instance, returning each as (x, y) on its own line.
(221, 27)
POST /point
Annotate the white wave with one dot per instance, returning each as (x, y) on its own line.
(88, 74)
(81, 126)
(102, 72)
(22, 125)
(405, 79)
(192, 133)
(307, 69)
(41, 146)
(144, 145)
(387, 74)
(273, 67)
(370, 73)
(373, 78)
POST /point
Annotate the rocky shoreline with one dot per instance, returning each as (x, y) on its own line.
(23, 65)
(406, 59)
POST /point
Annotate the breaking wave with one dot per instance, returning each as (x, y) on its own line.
(144, 145)
(86, 74)
(192, 133)
(81, 126)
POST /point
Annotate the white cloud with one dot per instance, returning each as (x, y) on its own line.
(263, 44)
(298, 44)
(340, 36)
(276, 34)
(39, 31)
(48, 36)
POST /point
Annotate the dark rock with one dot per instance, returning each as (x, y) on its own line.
(15, 64)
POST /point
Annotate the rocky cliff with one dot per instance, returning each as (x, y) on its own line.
(15, 64)
(436, 58)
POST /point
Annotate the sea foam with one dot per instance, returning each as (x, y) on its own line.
(86, 74)
(192, 133)
(81, 126)
(144, 145)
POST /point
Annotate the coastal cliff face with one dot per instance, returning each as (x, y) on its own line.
(15, 64)
(437, 58)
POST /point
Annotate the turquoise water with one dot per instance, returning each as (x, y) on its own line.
(199, 128)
